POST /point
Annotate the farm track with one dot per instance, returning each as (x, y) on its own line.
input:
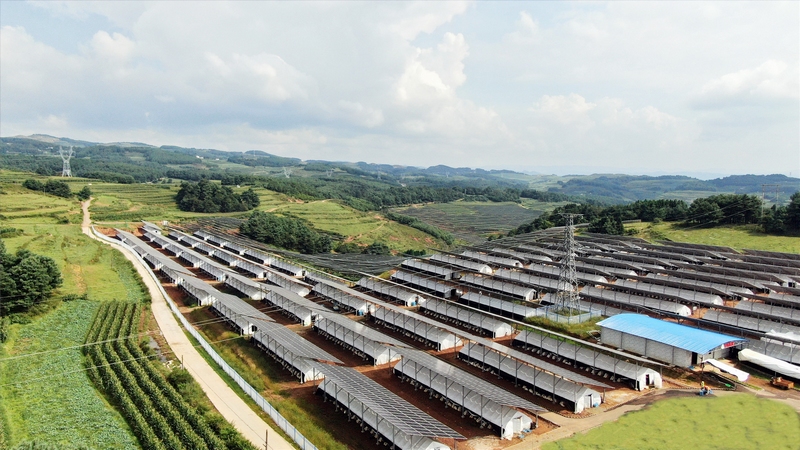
(224, 399)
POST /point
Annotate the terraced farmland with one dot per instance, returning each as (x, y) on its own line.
(359, 227)
(472, 221)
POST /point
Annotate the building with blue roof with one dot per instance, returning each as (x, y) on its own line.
(665, 341)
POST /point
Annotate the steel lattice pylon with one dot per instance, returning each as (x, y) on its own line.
(66, 171)
(567, 298)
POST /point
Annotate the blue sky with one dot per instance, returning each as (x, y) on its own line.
(552, 87)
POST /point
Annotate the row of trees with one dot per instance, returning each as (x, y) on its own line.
(285, 232)
(26, 279)
(57, 188)
(716, 210)
(209, 197)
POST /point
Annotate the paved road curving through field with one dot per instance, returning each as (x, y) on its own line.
(230, 405)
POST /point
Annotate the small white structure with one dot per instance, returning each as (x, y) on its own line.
(770, 363)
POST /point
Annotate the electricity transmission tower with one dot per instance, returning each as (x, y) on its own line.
(567, 298)
(65, 156)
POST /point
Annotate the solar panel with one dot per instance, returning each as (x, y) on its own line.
(294, 343)
(168, 262)
(616, 297)
(467, 380)
(541, 364)
(684, 294)
(500, 285)
(399, 413)
(363, 330)
(424, 283)
(458, 262)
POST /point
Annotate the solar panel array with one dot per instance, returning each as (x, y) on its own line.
(469, 381)
(386, 404)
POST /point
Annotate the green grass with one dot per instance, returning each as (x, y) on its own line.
(49, 398)
(738, 237)
(64, 408)
(265, 375)
(581, 330)
(739, 421)
(360, 227)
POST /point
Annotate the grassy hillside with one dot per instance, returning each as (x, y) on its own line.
(738, 237)
(739, 421)
(122, 203)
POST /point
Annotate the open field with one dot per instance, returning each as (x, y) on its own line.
(472, 221)
(123, 203)
(739, 421)
(738, 237)
(50, 398)
(359, 227)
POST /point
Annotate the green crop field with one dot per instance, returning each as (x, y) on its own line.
(738, 421)
(738, 237)
(49, 398)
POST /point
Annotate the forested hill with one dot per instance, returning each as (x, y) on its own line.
(133, 162)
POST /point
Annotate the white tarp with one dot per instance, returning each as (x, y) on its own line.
(790, 335)
(740, 375)
(773, 364)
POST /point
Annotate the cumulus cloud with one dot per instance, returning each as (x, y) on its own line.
(772, 80)
(425, 82)
(611, 130)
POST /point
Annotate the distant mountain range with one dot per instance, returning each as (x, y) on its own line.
(610, 188)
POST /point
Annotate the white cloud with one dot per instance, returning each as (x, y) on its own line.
(685, 84)
(609, 129)
(772, 80)
(112, 47)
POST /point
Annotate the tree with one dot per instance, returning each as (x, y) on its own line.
(285, 232)
(792, 220)
(84, 194)
(250, 199)
(705, 213)
(26, 279)
(607, 225)
(34, 185)
(58, 188)
(377, 248)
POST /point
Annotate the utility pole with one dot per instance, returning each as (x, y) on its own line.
(567, 298)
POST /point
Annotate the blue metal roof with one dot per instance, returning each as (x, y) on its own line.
(688, 338)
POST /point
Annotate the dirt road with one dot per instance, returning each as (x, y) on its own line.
(232, 408)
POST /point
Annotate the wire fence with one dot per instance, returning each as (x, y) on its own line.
(262, 403)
